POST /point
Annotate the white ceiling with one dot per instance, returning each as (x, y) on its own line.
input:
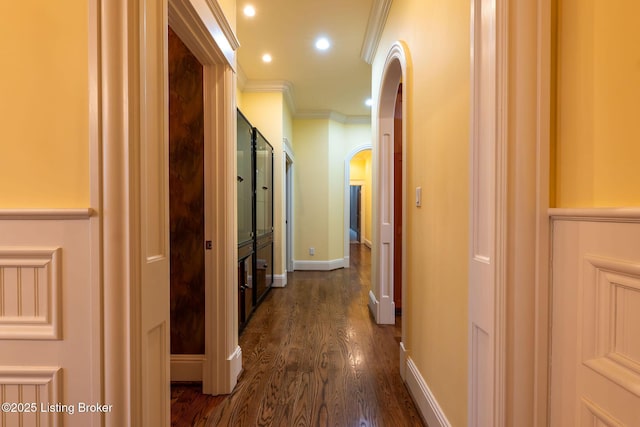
(337, 80)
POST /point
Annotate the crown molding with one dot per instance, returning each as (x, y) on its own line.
(282, 86)
(375, 25)
(332, 115)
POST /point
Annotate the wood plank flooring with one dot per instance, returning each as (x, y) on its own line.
(312, 356)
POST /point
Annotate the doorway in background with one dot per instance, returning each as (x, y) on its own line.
(355, 214)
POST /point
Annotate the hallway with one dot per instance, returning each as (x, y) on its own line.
(313, 356)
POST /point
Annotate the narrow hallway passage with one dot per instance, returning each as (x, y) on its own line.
(314, 357)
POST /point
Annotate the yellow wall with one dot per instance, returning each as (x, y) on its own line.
(44, 104)
(322, 145)
(360, 170)
(598, 104)
(437, 36)
(311, 191)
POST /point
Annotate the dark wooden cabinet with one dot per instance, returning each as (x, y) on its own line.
(255, 218)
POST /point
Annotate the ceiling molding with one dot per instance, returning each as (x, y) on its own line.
(375, 25)
(332, 115)
(283, 86)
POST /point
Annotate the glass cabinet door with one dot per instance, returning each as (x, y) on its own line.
(264, 186)
(245, 221)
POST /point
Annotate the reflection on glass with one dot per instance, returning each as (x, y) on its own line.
(245, 132)
(264, 186)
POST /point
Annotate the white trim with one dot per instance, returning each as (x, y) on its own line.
(333, 264)
(223, 24)
(332, 115)
(38, 326)
(396, 70)
(424, 398)
(631, 214)
(187, 367)
(272, 86)
(288, 208)
(347, 201)
(46, 214)
(234, 363)
(375, 25)
(373, 302)
(280, 280)
(404, 358)
(488, 213)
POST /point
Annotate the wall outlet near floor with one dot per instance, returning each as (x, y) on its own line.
(312, 251)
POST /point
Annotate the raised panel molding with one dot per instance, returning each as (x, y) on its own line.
(593, 415)
(611, 314)
(39, 385)
(30, 283)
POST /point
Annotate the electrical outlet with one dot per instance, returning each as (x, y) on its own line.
(312, 251)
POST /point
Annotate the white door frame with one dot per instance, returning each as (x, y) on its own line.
(121, 46)
(288, 185)
(517, 245)
(347, 183)
(396, 70)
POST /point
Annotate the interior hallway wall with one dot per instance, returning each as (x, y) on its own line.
(44, 112)
(437, 159)
(321, 147)
(597, 104)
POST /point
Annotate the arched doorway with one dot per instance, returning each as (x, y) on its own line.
(347, 184)
(390, 186)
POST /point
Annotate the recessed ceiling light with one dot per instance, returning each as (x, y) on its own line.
(368, 102)
(266, 58)
(323, 43)
(249, 11)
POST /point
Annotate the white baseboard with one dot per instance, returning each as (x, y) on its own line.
(367, 243)
(280, 280)
(373, 305)
(186, 367)
(333, 264)
(346, 262)
(424, 399)
(235, 367)
(403, 362)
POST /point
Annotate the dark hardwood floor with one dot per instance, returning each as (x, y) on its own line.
(312, 356)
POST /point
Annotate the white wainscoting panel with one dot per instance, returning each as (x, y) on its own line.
(30, 293)
(595, 323)
(39, 386)
(50, 312)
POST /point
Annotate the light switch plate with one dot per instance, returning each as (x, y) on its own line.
(418, 196)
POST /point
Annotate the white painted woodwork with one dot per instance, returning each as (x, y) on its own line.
(595, 318)
(37, 386)
(395, 71)
(197, 28)
(423, 397)
(150, 216)
(134, 191)
(487, 219)
(30, 293)
(50, 315)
